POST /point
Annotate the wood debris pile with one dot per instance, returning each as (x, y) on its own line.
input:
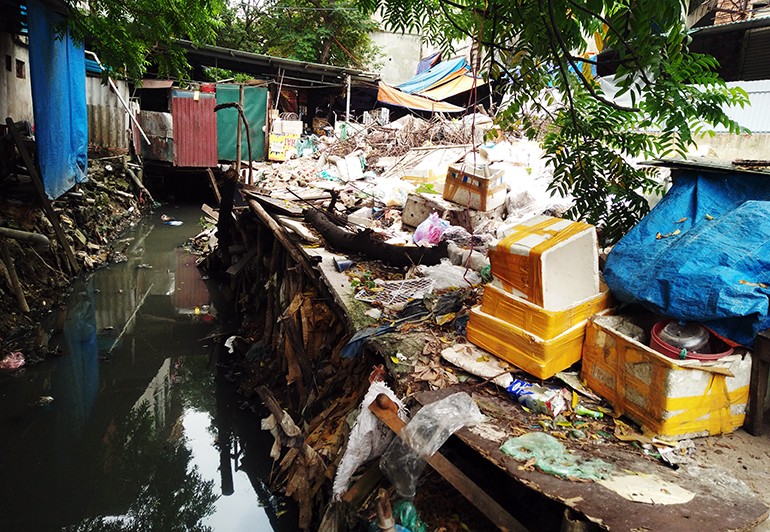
(91, 215)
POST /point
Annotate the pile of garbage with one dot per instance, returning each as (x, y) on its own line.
(35, 268)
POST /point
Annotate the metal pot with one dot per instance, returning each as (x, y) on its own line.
(690, 336)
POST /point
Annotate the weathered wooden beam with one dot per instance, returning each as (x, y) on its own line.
(13, 276)
(214, 186)
(760, 370)
(47, 207)
(280, 234)
(387, 411)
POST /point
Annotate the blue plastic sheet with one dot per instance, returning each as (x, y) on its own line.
(716, 269)
(434, 74)
(58, 79)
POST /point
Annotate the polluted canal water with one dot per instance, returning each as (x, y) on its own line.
(132, 427)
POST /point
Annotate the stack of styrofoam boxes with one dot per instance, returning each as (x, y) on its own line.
(546, 287)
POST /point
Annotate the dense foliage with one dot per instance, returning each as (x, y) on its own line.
(318, 31)
(131, 35)
(536, 52)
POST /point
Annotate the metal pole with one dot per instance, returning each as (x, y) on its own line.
(347, 102)
(238, 136)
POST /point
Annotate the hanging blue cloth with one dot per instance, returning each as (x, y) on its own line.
(58, 79)
(702, 254)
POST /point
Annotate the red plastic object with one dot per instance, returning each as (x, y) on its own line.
(670, 351)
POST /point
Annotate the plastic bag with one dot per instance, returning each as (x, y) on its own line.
(552, 457)
(368, 439)
(407, 516)
(447, 275)
(430, 231)
(404, 460)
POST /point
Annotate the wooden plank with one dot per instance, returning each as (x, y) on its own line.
(214, 186)
(47, 207)
(387, 411)
(281, 206)
(714, 502)
(299, 229)
(238, 267)
(280, 234)
(210, 212)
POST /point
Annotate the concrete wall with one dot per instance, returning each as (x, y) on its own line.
(401, 54)
(15, 92)
(730, 147)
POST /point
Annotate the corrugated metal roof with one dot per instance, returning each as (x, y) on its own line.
(269, 66)
(738, 25)
(756, 115)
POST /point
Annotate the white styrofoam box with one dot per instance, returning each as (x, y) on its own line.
(551, 262)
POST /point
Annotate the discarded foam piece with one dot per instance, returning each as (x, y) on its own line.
(664, 396)
(476, 362)
(537, 356)
(546, 324)
(548, 261)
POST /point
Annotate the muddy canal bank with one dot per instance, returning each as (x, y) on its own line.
(130, 427)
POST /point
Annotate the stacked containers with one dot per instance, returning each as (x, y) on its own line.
(546, 287)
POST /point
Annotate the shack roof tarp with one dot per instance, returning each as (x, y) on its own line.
(58, 79)
(453, 87)
(390, 95)
(433, 75)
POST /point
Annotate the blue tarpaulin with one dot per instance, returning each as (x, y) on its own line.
(58, 79)
(434, 74)
(427, 62)
(702, 254)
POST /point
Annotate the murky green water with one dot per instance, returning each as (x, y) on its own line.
(132, 428)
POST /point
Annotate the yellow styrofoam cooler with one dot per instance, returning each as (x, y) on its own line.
(546, 324)
(479, 188)
(538, 357)
(664, 396)
(551, 262)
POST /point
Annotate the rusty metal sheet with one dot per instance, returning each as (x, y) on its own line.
(195, 131)
(107, 119)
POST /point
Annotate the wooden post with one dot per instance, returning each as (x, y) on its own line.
(47, 207)
(13, 276)
(760, 369)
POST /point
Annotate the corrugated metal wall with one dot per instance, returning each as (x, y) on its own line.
(756, 55)
(756, 115)
(107, 119)
(195, 130)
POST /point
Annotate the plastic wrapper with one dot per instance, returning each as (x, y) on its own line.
(430, 230)
(552, 457)
(404, 460)
(537, 398)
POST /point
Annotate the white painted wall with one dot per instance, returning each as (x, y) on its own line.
(401, 53)
(15, 93)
